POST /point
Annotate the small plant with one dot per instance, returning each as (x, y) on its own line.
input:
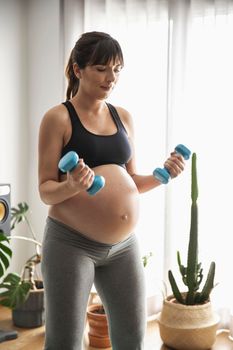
(145, 259)
(192, 275)
(16, 287)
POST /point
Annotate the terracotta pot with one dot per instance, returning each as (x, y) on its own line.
(188, 327)
(98, 327)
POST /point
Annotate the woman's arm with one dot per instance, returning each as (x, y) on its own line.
(174, 164)
(54, 131)
(144, 183)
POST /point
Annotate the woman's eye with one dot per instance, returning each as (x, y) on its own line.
(103, 69)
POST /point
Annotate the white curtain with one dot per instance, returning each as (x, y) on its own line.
(177, 83)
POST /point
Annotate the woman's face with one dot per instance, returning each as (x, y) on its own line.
(99, 80)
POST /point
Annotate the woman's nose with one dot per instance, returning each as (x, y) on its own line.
(111, 76)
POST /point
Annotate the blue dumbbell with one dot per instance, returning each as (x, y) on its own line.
(69, 161)
(163, 175)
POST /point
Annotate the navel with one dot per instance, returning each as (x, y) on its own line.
(124, 217)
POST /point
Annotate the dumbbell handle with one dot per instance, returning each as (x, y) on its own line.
(69, 162)
(162, 174)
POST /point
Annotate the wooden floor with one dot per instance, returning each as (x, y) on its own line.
(33, 339)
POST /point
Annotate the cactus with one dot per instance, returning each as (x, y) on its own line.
(192, 275)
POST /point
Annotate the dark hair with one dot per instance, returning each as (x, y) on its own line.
(92, 48)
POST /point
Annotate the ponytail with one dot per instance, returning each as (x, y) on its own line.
(73, 81)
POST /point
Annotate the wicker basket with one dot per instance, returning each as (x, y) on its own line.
(188, 327)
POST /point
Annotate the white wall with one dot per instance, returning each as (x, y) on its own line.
(45, 72)
(31, 74)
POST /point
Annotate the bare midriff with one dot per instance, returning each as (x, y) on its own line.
(111, 215)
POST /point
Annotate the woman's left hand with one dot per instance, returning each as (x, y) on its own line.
(174, 164)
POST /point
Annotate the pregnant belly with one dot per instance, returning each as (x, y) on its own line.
(109, 216)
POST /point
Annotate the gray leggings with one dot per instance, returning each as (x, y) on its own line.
(71, 262)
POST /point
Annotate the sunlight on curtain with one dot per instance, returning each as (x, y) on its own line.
(177, 84)
(204, 116)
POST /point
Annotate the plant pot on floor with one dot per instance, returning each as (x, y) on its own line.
(30, 314)
(98, 327)
(188, 327)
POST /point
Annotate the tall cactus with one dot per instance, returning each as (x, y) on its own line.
(192, 275)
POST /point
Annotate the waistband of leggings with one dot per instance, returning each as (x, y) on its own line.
(67, 230)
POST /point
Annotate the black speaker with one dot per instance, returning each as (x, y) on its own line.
(5, 208)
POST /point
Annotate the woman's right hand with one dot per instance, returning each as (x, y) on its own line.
(81, 178)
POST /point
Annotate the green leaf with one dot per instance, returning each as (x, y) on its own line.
(146, 258)
(5, 253)
(175, 288)
(194, 186)
(209, 284)
(19, 213)
(12, 278)
(15, 291)
(3, 237)
(4, 248)
(182, 268)
(4, 260)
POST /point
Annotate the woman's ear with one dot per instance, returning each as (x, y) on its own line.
(77, 71)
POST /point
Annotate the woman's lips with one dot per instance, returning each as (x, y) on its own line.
(106, 88)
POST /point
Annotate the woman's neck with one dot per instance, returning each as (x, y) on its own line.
(87, 103)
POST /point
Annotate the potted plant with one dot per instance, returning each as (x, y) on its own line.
(187, 320)
(24, 293)
(5, 257)
(98, 333)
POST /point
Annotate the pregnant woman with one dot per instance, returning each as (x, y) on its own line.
(91, 238)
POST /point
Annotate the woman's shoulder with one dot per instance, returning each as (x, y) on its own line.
(123, 113)
(56, 120)
(57, 114)
(125, 117)
(58, 111)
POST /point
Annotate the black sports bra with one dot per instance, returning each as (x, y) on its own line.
(98, 149)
